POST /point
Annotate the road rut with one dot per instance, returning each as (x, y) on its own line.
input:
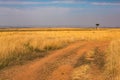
(57, 66)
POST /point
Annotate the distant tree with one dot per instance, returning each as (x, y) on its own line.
(97, 25)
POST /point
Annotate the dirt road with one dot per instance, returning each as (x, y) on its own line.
(57, 66)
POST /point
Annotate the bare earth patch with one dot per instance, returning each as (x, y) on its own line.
(59, 65)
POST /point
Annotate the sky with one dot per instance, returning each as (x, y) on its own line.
(83, 13)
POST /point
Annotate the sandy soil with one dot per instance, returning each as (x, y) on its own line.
(57, 66)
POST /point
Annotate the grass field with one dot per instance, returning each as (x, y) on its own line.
(19, 45)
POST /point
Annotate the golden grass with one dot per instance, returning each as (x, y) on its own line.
(16, 45)
(112, 70)
(81, 73)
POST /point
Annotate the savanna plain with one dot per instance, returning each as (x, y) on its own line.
(60, 54)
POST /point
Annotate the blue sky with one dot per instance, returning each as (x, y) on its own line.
(60, 12)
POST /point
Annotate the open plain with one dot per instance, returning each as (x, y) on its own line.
(59, 54)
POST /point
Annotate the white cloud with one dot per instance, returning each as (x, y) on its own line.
(35, 15)
(18, 2)
(31, 3)
(51, 15)
(34, 10)
(105, 4)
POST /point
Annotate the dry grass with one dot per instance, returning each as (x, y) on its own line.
(112, 70)
(81, 73)
(16, 46)
(91, 62)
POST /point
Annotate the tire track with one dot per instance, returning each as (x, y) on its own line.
(29, 71)
(56, 66)
(63, 72)
(62, 60)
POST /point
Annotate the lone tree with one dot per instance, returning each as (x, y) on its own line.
(97, 25)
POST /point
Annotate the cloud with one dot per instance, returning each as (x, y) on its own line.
(35, 10)
(36, 15)
(105, 4)
(54, 15)
(32, 3)
(18, 2)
